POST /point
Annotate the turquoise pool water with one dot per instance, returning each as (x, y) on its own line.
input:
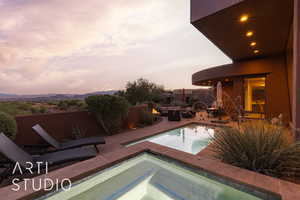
(149, 177)
(191, 139)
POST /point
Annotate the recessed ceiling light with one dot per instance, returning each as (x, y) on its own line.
(249, 33)
(256, 51)
(244, 18)
(252, 44)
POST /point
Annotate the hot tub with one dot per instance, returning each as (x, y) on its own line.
(152, 177)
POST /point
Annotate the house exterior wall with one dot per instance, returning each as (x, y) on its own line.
(296, 68)
(274, 68)
(289, 64)
(282, 71)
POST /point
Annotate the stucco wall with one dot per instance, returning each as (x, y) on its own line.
(296, 68)
(60, 125)
(289, 64)
(277, 90)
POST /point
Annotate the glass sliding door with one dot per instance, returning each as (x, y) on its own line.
(254, 92)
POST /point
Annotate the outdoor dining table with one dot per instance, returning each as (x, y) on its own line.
(213, 111)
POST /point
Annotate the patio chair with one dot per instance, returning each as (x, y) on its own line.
(17, 155)
(70, 144)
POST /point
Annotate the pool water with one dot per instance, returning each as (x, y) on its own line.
(149, 177)
(191, 139)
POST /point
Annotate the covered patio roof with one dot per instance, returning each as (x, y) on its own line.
(268, 24)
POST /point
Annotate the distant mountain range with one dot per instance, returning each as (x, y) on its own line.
(50, 97)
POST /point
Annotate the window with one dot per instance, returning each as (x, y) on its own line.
(255, 94)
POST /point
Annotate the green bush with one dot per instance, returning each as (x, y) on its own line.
(34, 110)
(8, 125)
(146, 118)
(62, 105)
(71, 104)
(78, 132)
(109, 111)
(15, 108)
(43, 109)
(260, 147)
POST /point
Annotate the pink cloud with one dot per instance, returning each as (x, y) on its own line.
(70, 46)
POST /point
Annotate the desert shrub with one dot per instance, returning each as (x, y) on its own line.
(109, 111)
(23, 106)
(43, 109)
(52, 103)
(8, 125)
(81, 105)
(78, 132)
(34, 110)
(15, 108)
(74, 104)
(62, 105)
(260, 147)
(146, 118)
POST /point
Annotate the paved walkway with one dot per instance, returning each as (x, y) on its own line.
(116, 142)
(114, 152)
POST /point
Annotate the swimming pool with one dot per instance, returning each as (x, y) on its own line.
(150, 177)
(191, 138)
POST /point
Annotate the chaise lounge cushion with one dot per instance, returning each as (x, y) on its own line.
(66, 156)
(67, 145)
(14, 153)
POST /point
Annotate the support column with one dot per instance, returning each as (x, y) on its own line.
(296, 68)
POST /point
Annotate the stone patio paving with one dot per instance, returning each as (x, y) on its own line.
(114, 152)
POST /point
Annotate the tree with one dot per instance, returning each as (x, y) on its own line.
(142, 90)
(109, 111)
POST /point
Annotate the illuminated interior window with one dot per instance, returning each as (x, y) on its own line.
(255, 94)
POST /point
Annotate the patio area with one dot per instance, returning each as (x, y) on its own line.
(114, 152)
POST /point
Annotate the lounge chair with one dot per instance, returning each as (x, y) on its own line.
(15, 154)
(68, 145)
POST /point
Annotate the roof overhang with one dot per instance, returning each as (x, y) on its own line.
(252, 67)
(219, 21)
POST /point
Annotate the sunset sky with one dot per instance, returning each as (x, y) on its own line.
(76, 46)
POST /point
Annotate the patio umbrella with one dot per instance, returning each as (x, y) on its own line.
(219, 95)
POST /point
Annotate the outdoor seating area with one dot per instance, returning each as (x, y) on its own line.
(176, 113)
(15, 154)
(190, 132)
(115, 148)
(59, 154)
(68, 145)
(234, 134)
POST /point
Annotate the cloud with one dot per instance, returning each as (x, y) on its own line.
(71, 46)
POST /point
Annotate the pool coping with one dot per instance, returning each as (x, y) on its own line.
(155, 133)
(286, 190)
